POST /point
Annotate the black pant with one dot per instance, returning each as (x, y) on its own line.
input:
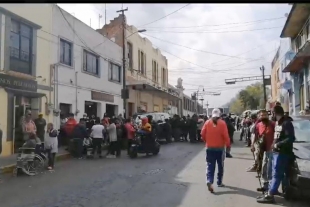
(198, 134)
(112, 150)
(51, 158)
(76, 148)
(129, 143)
(97, 145)
(192, 135)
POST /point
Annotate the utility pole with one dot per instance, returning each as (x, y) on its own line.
(105, 14)
(100, 16)
(207, 105)
(264, 84)
(125, 93)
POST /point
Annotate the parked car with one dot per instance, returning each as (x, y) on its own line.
(159, 118)
(302, 153)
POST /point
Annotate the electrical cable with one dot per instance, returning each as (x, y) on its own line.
(210, 32)
(213, 53)
(216, 25)
(164, 16)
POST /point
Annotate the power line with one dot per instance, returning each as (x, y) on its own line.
(210, 32)
(217, 25)
(213, 53)
(165, 16)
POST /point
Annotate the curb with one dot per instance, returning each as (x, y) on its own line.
(10, 168)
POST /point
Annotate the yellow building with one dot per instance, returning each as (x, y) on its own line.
(275, 77)
(25, 76)
(146, 70)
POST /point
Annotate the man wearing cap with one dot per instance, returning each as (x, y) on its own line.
(40, 123)
(215, 135)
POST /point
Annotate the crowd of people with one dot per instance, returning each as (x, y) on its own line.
(270, 139)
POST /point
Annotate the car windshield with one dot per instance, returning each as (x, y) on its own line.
(302, 130)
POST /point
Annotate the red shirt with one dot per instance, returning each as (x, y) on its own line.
(130, 131)
(269, 133)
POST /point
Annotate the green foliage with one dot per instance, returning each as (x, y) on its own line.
(252, 97)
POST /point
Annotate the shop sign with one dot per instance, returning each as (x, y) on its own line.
(17, 83)
(102, 97)
(287, 85)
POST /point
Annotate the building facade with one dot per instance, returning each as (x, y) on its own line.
(25, 76)
(297, 29)
(88, 69)
(146, 70)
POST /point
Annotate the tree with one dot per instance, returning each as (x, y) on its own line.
(252, 97)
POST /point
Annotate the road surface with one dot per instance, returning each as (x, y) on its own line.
(175, 178)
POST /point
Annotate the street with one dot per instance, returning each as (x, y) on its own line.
(175, 178)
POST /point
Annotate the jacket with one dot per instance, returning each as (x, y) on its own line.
(215, 136)
(69, 126)
(284, 136)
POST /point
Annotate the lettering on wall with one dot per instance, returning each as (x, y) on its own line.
(102, 97)
(17, 83)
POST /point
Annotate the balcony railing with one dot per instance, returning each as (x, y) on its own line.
(302, 37)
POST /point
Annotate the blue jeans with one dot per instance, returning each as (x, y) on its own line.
(280, 164)
(213, 157)
(267, 169)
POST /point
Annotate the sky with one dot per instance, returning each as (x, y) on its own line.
(204, 43)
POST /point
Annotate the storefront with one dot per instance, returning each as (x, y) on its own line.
(16, 95)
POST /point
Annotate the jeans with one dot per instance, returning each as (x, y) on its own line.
(266, 169)
(280, 164)
(97, 145)
(213, 157)
(51, 158)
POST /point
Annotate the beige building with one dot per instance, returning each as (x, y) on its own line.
(25, 68)
(146, 70)
(275, 77)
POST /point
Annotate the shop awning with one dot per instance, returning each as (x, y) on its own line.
(30, 94)
(298, 62)
(157, 91)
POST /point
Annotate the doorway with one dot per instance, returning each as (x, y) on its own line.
(21, 105)
(110, 110)
(130, 109)
(65, 109)
(90, 108)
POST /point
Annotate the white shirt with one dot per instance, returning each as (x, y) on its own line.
(96, 131)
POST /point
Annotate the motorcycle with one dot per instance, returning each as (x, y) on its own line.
(139, 145)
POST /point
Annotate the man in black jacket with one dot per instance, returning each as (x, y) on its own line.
(231, 130)
(282, 153)
(78, 134)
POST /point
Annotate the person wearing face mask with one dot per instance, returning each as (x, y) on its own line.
(282, 153)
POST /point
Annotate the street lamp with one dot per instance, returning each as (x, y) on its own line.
(139, 31)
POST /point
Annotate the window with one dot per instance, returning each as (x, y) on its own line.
(154, 71)
(164, 77)
(90, 63)
(20, 47)
(142, 62)
(65, 52)
(129, 55)
(115, 72)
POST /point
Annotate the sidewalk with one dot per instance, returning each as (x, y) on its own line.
(7, 164)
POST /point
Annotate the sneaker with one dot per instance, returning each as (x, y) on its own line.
(49, 168)
(221, 185)
(267, 199)
(261, 189)
(210, 187)
(251, 169)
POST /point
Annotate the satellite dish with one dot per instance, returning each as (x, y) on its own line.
(286, 15)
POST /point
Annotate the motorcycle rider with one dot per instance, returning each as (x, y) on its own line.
(282, 153)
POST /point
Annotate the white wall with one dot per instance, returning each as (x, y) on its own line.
(109, 52)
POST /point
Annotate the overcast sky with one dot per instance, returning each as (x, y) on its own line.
(218, 41)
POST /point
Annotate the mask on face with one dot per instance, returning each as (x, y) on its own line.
(278, 117)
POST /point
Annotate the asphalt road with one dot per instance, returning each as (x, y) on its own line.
(174, 178)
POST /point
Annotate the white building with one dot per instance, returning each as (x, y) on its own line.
(88, 69)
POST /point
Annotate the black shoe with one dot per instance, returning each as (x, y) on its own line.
(267, 199)
(261, 189)
(228, 155)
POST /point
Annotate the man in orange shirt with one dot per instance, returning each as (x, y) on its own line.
(215, 134)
